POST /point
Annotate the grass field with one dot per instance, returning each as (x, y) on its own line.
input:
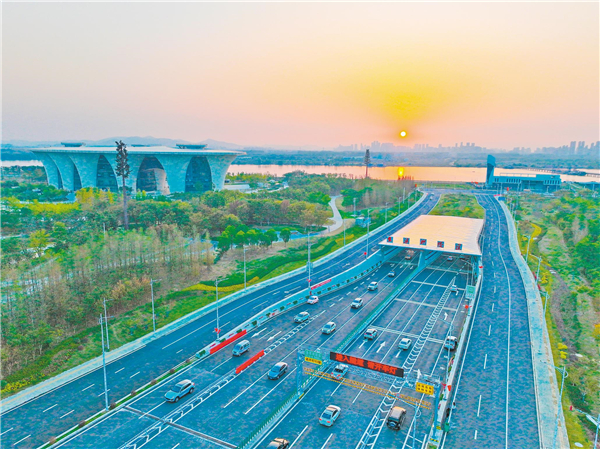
(458, 205)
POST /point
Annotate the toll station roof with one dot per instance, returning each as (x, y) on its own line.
(439, 233)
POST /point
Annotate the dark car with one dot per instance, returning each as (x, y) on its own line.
(278, 370)
(179, 390)
(279, 443)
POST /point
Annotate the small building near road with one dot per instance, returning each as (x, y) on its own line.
(520, 181)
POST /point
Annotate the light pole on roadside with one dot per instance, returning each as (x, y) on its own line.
(386, 204)
(448, 347)
(368, 220)
(399, 206)
(152, 281)
(244, 249)
(528, 243)
(354, 201)
(308, 263)
(106, 317)
(597, 427)
(545, 303)
(101, 321)
(344, 223)
(537, 274)
(564, 374)
(218, 329)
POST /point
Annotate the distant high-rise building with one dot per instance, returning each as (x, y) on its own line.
(375, 146)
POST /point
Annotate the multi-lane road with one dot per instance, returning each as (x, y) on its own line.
(36, 421)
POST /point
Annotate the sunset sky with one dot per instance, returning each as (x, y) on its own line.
(498, 74)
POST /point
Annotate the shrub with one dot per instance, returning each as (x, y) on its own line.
(52, 440)
(112, 406)
(80, 348)
(82, 423)
(172, 371)
(254, 323)
(133, 392)
(153, 382)
(188, 361)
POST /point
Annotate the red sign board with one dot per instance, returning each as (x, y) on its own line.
(367, 364)
(320, 284)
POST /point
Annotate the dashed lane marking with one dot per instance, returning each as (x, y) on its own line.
(6, 431)
(327, 441)
(485, 362)
(479, 406)
(66, 414)
(49, 408)
(22, 439)
(298, 437)
(116, 372)
(133, 375)
(86, 388)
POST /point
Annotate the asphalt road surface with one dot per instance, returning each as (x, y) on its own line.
(36, 421)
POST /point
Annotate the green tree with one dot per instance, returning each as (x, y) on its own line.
(123, 170)
(285, 235)
(271, 234)
(240, 238)
(38, 241)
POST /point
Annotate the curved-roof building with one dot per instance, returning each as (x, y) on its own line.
(188, 168)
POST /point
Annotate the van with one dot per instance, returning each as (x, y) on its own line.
(241, 347)
(395, 417)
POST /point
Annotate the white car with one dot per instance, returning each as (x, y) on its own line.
(450, 259)
(405, 343)
(370, 334)
(329, 328)
(357, 303)
(451, 342)
(313, 299)
(392, 274)
(372, 286)
(301, 317)
(454, 289)
(339, 371)
(331, 413)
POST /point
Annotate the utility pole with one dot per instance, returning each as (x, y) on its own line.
(308, 263)
(244, 248)
(399, 204)
(527, 255)
(106, 317)
(597, 426)
(545, 303)
(344, 222)
(564, 373)
(368, 220)
(354, 207)
(152, 281)
(104, 364)
(386, 204)
(217, 304)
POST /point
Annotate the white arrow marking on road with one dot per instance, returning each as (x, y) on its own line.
(445, 316)
(381, 346)
(494, 289)
(362, 344)
(259, 332)
(273, 336)
(398, 355)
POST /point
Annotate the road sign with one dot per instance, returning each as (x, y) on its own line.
(311, 360)
(424, 388)
(367, 364)
(470, 292)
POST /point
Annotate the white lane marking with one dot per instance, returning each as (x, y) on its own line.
(119, 370)
(327, 441)
(259, 332)
(49, 408)
(103, 392)
(23, 439)
(493, 304)
(475, 437)
(332, 305)
(362, 344)
(357, 396)
(188, 334)
(479, 406)
(298, 437)
(256, 307)
(489, 330)
(268, 393)
(175, 445)
(273, 336)
(485, 362)
(179, 351)
(88, 387)
(150, 411)
(221, 364)
(494, 289)
(134, 375)
(6, 431)
(66, 414)
(349, 293)
(336, 389)
(382, 345)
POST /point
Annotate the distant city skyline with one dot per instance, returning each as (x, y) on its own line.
(287, 74)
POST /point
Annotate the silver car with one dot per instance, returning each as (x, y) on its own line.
(179, 390)
(331, 413)
(301, 317)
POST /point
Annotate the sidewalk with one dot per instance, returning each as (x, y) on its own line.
(337, 218)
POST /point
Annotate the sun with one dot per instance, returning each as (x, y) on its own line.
(402, 133)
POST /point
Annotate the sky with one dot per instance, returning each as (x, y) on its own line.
(501, 75)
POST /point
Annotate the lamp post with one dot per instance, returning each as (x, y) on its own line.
(106, 317)
(308, 263)
(597, 426)
(386, 204)
(344, 223)
(104, 363)
(217, 304)
(244, 249)
(564, 373)
(399, 205)
(368, 220)
(528, 243)
(545, 303)
(537, 273)
(354, 201)
(448, 363)
(152, 281)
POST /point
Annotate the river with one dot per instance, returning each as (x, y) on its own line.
(448, 174)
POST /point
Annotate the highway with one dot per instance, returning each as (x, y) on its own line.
(35, 422)
(495, 398)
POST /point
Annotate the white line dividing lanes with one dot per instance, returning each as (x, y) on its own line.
(6, 431)
(118, 371)
(133, 375)
(66, 414)
(298, 437)
(327, 441)
(88, 387)
(485, 362)
(49, 408)
(479, 406)
(22, 439)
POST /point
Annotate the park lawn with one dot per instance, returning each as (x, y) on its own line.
(458, 205)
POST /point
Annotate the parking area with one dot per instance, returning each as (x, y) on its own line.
(404, 317)
(226, 406)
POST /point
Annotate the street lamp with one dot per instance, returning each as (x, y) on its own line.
(152, 281)
(564, 373)
(106, 317)
(354, 201)
(386, 204)
(244, 249)
(448, 347)
(344, 223)
(545, 303)
(399, 204)
(528, 243)
(368, 220)
(101, 321)
(537, 274)
(217, 280)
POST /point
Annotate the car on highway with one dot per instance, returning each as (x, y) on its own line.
(329, 328)
(357, 303)
(301, 317)
(450, 342)
(454, 289)
(372, 286)
(450, 258)
(279, 443)
(339, 371)
(409, 255)
(392, 274)
(329, 415)
(313, 299)
(405, 343)
(241, 347)
(370, 334)
(277, 371)
(179, 390)
(395, 417)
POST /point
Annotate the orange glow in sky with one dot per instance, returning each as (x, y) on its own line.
(498, 74)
